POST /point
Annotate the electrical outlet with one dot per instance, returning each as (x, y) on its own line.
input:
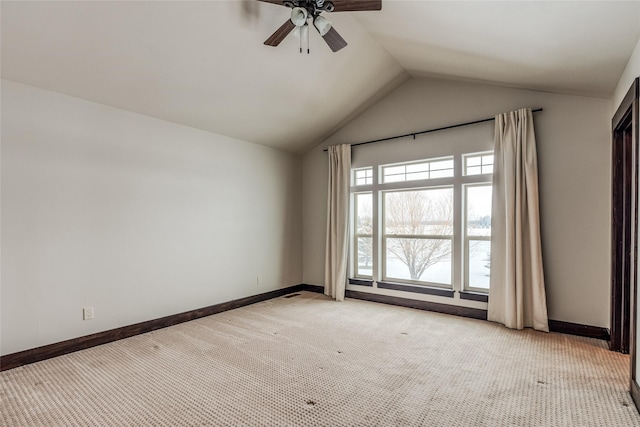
(258, 280)
(87, 313)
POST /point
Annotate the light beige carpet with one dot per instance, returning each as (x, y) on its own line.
(309, 361)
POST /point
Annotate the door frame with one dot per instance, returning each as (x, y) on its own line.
(623, 223)
(624, 231)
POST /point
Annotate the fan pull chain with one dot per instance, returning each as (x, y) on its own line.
(304, 33)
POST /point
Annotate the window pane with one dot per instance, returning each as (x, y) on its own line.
(417, 175)
(446, 173)
(394, 170)
(473, 161)
(363, 214)
(474, 170)
(478, 164)
(442, 168)
(394, 178)
(441, 165)
(426, 260)
(363, 176)
(479, 263)
(419, 212)
(418, 167)
(478, 205)
(365, 256)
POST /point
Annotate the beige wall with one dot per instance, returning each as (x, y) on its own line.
(137, 217)
(574, 161)
(141, 218)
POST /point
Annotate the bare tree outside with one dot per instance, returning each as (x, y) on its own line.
(417, 218)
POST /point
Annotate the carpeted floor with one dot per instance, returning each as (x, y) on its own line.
(309, 361)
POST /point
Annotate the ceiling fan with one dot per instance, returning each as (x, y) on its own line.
(303, 11)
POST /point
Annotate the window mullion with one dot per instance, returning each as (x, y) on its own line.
(376, 224)
(457, 244)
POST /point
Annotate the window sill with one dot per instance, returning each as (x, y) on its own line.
(419, 289)
(474, 296)
(361, 282)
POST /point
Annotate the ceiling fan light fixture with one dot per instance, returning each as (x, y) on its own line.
(322, 24)
(299, 16)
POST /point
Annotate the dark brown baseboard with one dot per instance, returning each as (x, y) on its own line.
(25, 357)
(634, 390)
(554, 325)
(33, 355)
(579, 330)
(312, 288)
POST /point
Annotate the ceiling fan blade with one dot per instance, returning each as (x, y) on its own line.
(280, 34)
(355, 5)
(280, 2)
(334, 40)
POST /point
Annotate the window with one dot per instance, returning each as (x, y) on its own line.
(417, 235)
(363, 176)
(477, 236)
(437, 168)
(363, 236)
(478, 164)
(424, 224)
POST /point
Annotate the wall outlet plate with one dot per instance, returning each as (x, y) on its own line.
(87, 313)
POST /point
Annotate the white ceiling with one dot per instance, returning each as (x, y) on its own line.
(203, 64)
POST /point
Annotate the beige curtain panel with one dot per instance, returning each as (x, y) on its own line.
(337, 250)
(517, 293)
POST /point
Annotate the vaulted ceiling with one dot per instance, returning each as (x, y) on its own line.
(203, 64)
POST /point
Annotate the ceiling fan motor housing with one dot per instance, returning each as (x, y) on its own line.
(313, 7)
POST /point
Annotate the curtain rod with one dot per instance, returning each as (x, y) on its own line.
(428, 131)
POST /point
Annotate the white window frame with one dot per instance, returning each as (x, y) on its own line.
(428, 170)
(467, 239)
(459, 239)
(355, 236)
(384, 236)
